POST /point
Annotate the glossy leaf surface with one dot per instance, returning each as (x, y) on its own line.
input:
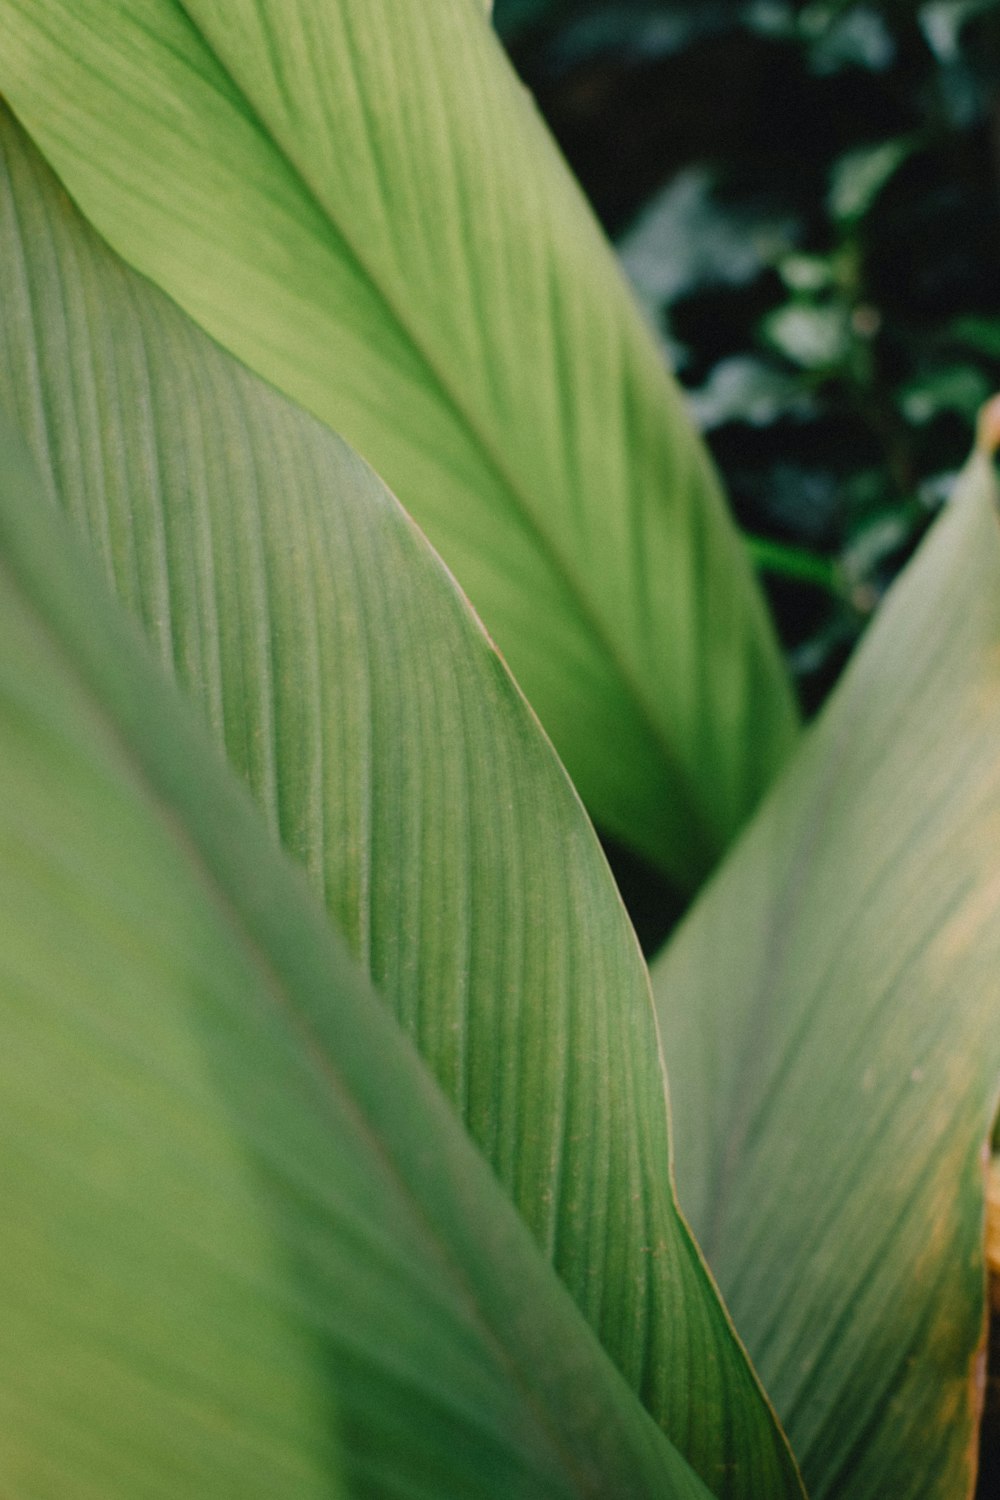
(358, 198)
(831, 1014)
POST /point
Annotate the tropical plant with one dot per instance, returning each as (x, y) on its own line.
(337, 1156)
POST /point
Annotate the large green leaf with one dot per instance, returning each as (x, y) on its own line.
(358, 198)
(245, 1249)
(831, 1011)
(348, 681)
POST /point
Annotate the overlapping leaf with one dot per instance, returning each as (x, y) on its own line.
(358, 198)
(357, 694)
(245, 1248)
(832, 1015)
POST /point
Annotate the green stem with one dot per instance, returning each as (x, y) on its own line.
(794, 562)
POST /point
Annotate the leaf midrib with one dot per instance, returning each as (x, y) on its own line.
(493, 459)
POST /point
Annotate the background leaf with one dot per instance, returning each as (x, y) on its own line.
(246, 1249)
(829, 1010)
(351, 685)
(359, 200)
(720, 199)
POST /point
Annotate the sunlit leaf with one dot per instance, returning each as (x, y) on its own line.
(358, 198)
(830, 1012)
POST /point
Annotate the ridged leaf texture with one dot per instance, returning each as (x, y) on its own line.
(830, 1011)
(246, 1249)
(358, 198)
(349, 682)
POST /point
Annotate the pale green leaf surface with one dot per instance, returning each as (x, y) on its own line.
(352, 687)
(359, 199)
(830, 1011)
(245, 1249)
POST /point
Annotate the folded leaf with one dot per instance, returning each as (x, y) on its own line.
(358, 198)
(831, 1011)
(246, 1249)
(350, 684)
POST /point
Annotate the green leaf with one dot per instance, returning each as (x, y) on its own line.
(960, 388)
(350, 684)
(246, 1249)
(358, 198)
(857, 178)
(830, 1014)
(981, 334)
(813, 335)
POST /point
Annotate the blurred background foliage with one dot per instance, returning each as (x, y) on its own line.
(806, 197)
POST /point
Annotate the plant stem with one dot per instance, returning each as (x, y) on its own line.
(794, 562)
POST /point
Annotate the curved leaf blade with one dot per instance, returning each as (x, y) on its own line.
(830, 1011)
(359, 200)
(349, 683)
(246, 1247)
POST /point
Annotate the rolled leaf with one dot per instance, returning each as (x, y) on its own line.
(358, 198)
(348, 681)
(831, 1012)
